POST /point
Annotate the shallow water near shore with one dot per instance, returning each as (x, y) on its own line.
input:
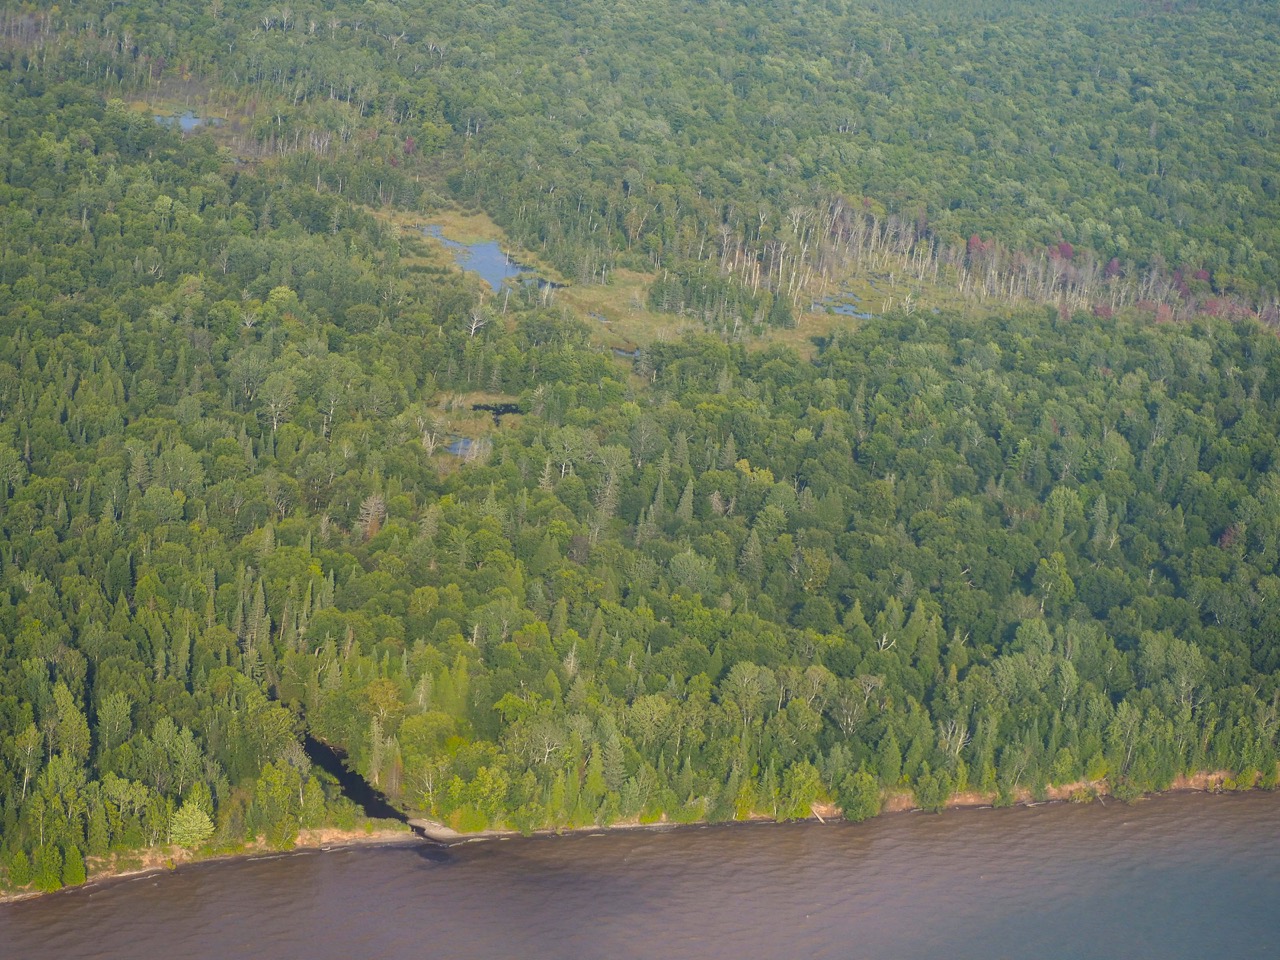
(1185, 876)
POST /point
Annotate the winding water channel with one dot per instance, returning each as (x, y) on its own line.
(1182, 877)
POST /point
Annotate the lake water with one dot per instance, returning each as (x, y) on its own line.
(485, 259)
(1183, 877)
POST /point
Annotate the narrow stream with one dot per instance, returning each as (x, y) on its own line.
(371, 801)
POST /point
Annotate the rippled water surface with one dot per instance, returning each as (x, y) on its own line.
(1191, 876)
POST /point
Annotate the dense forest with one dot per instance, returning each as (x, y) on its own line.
(1028, 543)
(1113, 151)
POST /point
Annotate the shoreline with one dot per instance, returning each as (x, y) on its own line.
(165, 859)
(895, 803)
(158, 860)
(1080, 791)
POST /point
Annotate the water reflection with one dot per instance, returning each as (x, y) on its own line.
(486, 259)
(186, 121)
(844, 305)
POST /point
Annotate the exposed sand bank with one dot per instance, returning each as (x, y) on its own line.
(159, 859)
(902, 801)
(154, 860)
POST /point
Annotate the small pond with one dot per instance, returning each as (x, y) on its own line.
(844, 305)
(187, 121)
(499, 410)
(487, 259)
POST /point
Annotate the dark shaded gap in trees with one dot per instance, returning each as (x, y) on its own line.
(372, 802)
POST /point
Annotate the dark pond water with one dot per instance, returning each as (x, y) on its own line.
(485, 259)
(1185, 877)
(499, 410)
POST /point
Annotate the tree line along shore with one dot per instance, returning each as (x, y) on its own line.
(1017, 529)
